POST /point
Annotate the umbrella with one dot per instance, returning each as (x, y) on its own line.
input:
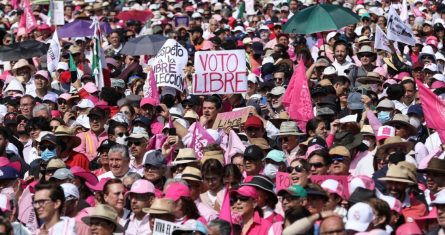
(23, 50)
(81, 28)
(319, 18)
(141, 16)
(144, 45)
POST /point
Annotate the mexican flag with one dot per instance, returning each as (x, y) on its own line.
(97, 55)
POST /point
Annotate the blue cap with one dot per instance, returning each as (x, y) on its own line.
(276, 156)
(142, 119)
(354, 101)
(8, 173)
(415, 109)
(154, 158)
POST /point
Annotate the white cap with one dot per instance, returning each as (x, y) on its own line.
(85, 103)
(330, 35)
(360, 216)
(330, 70)
(41, 134)
(62, 66)
(264, 27)
(196, 15)
(70, 189)
(439, 56)
(83, 120)
(15, 85)
(428, 22)
(432, 67)
(238, 28)
(120, 117)
(252, 78)
(439, 21)
(439, 77)
(168, 91)
(422, 8)
(51, 97)
(279, 90)
(385, 132)
(333, 186)
(440, 198)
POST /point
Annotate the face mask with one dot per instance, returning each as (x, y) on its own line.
(414, 121)
(384, 116)
(366, 142)
(270, 170)
(48, 154)
(121, 140)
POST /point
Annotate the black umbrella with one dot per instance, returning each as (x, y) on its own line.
(144, 45)
(23, 50)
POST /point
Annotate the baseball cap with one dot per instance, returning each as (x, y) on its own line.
(253, 121)
(385, 132)
(439, 77)
(90, 87)
(247, 191)
(415, 109)
(70, 190)
(279, 90)
(253, 152)
(148, 100)
(63, 174)
(8, 173)
(440, 198)
(330, 36)
(154, 158)
(97, 112)
(141, 186)
(361, 181)
(138, 133)
(388, 104)
(333, 186)
(431, 67)
(359, 217)
(191, 226)
(276, 155)
(50, 138)
(142, 119)
(294, 190)
(10, 119)
(85, 103)
(176, 190)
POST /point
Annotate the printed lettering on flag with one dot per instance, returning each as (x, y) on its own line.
(53, 55)
(381, 41)
(220, 72)
(169, 64)
(397, 30)
(200, 138)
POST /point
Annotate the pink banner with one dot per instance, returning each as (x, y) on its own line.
(283, 181)
(27, 21)
(200, 139)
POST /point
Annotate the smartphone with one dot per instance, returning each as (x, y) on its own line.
(159, 110)
(263, 100)
(172, 132)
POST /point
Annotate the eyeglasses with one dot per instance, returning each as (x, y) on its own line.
(136, 143)
(317, 164)
(61, 101)
(40, 203)
(235, 199)
(47, 146)
(122, 134)
(126, 112)
(298, 168)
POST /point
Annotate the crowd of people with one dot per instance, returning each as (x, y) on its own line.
(77, 157)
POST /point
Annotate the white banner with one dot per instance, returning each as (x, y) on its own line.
(169, 64)
(380, 39)
(58, 13)
(397, 30)
(250, 7)
(162, 227)
(220, 72)
(53, 55)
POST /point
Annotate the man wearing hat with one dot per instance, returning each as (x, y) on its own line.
(366, 56)
(161, 208)
(289, 137)
(103, 220)
(23, 72)
(292, 197)
(137, 143)
(398, 181)
(439, 203)
(186, 157)
(416, 118)
(141, 195)
(66, 143)
(435, 177)
(155, 166)
(91, 139)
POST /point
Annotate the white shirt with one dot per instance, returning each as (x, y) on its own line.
(30, 86)
(138, 227)
(342, 67)
(110, 175)
(402, 107)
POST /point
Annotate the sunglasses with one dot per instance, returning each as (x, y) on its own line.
(61, 101)
(122, 134)
(136, 143)
(338, 158)
(49, 147)
(316, 165)
(298, 168)
(235, 199)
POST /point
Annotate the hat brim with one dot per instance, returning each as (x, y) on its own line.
(368, 80)
(397, 180)
(373, 58)
(388, 61)
(382, 149)
(74, 140)
(289, 133)
(184, 162)
(431, 170)
(154, 211)
(411, 128)
(118, 227)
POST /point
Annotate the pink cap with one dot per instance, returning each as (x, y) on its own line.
(360, 181)
(84, 174)
(189, 8)
(402, 75)
(381, 71)
(141, 186)
(437, 84)
(5, 203)
(333, 186)
(56, 114)
(393, 203)
(4, 161)
(65, 96)
(432, 215)
(102, 104)
(99, 186)
(312, 149)
(431, 40)
(217, 17)
(43, 73)
(148, 100)
(247, 191)
(176, 190)
(90, 87)
(385, 132)
(408, 228)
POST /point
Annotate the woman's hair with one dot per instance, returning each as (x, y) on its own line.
(313, 124)
(110, 182)
(189, 208)
(322, 153)
(233, 171)
(7, 224)
(132, 111)
(382, 209)
(213, 167)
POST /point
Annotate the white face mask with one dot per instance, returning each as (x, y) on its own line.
(415, 122)
(122, 140)
(366, 142)
(270, 170)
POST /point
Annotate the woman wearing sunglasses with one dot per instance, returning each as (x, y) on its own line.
(244, 201)
(299, 171)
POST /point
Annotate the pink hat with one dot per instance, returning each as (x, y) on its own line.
(189, 9)
(311, 149)
(333, 186)
(408, 228)
(390, 81)
(4, 161)
(217, 17)
(5, 203)
(43, 73)
(431, 40)
(360, 181)
(393, 202)
(385, 132)
(176, 190)
(90, 87)
(141, 186)
(84, 174)
(148, 100)
(65, 96)
(402, 75)
(207, 45)
(247, 191)
(431, 215)
(102, 104)
(99, 186)
(381, 71)
(437, 84)
(56, 114)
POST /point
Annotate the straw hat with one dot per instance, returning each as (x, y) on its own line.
(435, 165)
(394, 142)
(63, 131)
(185, 155)
(282, 116)
(191, 173)
(402, 119)
(22, 63)
(216, 154)
(367, 50)
(161, 206)
(105, 212)
(367, 131)
(398, 173)
(370, 78)
(191, 114)
(289, 128)
(260, 142)
(55, 163)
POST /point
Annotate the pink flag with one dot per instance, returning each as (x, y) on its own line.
(231, 144)
(27, 213)
(152, 90)
(27, 21)
(416, 11)
(297, 98)
(433, 109)
(200, 139)
(226, 212)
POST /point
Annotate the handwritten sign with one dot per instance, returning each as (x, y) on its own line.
(220, 72)
(283, 181)
(169, 63)
(342, 179)
(234, 118)
(162, 227)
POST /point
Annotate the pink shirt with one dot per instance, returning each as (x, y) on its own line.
(89, 143)
(259, 226)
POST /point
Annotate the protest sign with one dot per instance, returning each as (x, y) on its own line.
(342, 179)
(182, 21)
(169, 63)
(381, 40)
(234, 118)
(283, 181)
(397, 30)
(250, 7)
(220, 72)
(58, 13)
(162, 227)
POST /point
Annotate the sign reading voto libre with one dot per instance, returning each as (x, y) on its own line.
(220, 72)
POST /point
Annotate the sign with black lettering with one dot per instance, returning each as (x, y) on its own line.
(233, 119)
(162, 227)
(397, 30)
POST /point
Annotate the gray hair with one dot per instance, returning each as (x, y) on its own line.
(119, 148)
(133, 175)
(41, 107)
(221, 225)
